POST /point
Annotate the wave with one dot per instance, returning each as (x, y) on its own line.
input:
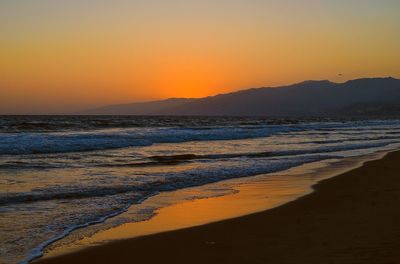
(13, 124)
(62, 142)
(163, 182)
(333, 141)
(37, 251)
(172, 160)
(34, 143)
(55, 194)
(177, 159)
(233, 167)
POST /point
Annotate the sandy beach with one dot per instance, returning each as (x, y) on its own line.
(351, 218)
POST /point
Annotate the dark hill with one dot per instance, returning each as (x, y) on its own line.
(361, 97)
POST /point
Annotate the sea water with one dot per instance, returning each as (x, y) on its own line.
(62, 173)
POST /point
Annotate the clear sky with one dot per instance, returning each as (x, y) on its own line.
(62, 56)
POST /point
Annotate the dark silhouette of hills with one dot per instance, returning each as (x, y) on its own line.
(361, 97)
(143, 108)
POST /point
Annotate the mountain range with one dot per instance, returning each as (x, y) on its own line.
(361, 97)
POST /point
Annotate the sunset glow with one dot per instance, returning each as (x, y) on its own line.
(71, 55)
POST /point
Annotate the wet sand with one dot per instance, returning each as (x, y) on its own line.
(351, 218)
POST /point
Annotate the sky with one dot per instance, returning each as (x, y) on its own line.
(65, 56)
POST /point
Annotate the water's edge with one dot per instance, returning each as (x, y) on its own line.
(332, 170)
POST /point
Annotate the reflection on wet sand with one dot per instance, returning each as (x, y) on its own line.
(185, 208)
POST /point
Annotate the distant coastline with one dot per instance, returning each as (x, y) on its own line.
(367, 97)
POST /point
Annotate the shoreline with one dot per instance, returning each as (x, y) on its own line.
(118, 251)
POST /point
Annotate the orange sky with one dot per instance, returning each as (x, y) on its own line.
(64, 56)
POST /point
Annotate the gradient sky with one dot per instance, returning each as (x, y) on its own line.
(62, 56)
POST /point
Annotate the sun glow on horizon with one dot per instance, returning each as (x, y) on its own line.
(72, 55)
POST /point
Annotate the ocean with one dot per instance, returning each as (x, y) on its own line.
(59, 174)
